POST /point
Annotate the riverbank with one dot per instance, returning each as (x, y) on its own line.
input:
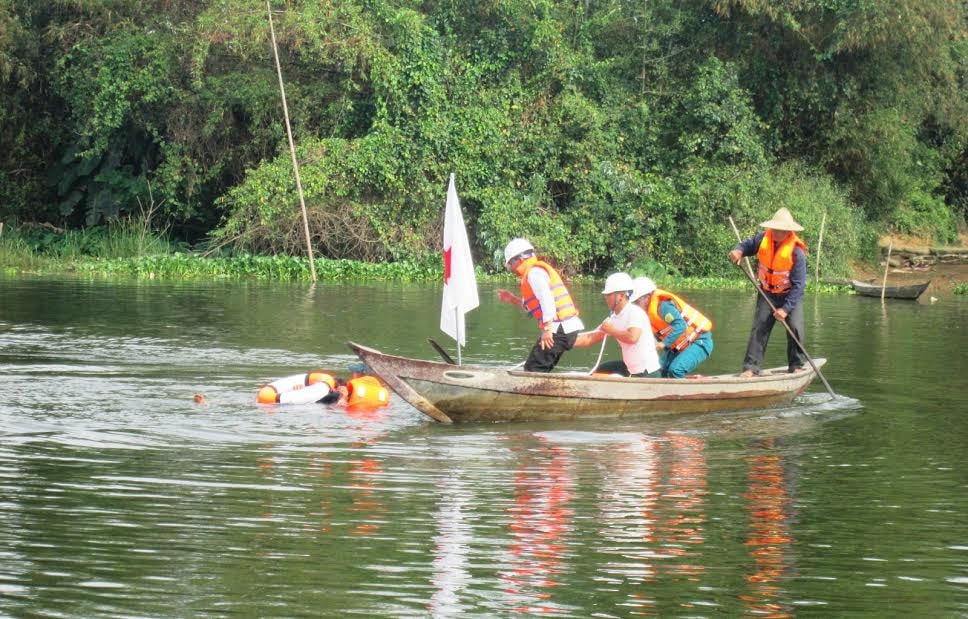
(911, 260)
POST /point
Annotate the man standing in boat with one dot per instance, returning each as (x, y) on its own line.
(782, 275)
(546, 298)
(681, 331)
(629, 325)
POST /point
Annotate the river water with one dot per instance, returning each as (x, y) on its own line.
(122, 497)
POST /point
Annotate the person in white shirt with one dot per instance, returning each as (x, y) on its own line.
(629, 325)
(545, 297)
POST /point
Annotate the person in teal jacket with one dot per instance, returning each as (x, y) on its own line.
(681, 331)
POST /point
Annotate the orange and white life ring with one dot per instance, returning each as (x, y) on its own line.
(297, 389)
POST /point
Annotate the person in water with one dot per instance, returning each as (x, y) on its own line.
(546, 299)
(338, 394)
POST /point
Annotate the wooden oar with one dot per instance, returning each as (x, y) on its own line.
(443, 353)
(793, 336)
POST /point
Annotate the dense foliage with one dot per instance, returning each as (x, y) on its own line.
(611, 133)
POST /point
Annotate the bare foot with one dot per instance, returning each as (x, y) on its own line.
(746, 374)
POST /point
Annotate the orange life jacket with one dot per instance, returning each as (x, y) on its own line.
(564, 305)
(696, 323)
(776, 264)
(367, 391)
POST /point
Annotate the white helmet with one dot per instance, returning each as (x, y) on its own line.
(641, 286)
(517, 247)
(618, 282)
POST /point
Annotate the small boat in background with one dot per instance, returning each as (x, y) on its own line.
(906, 291)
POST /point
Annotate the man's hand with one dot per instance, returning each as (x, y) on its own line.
(547, 339)
(780, 314)
(506, 296)
(735, 256)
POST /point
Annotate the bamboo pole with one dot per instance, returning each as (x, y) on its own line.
(292, 146)
(887, 265)
(823, 222)
(746, 259)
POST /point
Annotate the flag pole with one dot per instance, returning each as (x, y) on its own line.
(460, 286)
(459, 334)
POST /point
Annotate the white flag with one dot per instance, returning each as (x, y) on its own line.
(460, 284)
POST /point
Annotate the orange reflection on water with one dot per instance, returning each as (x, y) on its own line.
(684, 492)
(769, 534)
(364, 474)
(540, 517)
(366, 501)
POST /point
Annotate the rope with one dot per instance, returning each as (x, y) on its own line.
(599, 360)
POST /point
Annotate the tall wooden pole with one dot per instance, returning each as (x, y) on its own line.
(292, 147)
(887, 265)
(749, 267)
(823, 222)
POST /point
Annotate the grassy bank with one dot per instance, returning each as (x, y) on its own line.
(130, 252)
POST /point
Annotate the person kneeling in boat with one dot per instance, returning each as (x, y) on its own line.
(681, 330)
(629, 325)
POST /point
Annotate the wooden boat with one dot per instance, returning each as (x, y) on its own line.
(467, 393)
(906, 291)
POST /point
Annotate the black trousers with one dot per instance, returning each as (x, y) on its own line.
(763, 322)
(618, 366)
(546, 360)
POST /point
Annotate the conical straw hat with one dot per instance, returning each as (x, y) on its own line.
(782, 220)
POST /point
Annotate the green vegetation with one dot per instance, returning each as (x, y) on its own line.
(276, 268)
(612, 134)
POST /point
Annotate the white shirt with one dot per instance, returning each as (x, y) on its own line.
(640, 356)
(541, 286)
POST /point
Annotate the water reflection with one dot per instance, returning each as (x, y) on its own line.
(543, 486)
(628, 503)
(452, 541)
(653, 513)
(770, 540)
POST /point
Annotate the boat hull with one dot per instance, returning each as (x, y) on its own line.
(473, 393)
(909, 291)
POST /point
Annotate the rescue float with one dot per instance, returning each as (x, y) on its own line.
(312, 386)
(360, 391)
